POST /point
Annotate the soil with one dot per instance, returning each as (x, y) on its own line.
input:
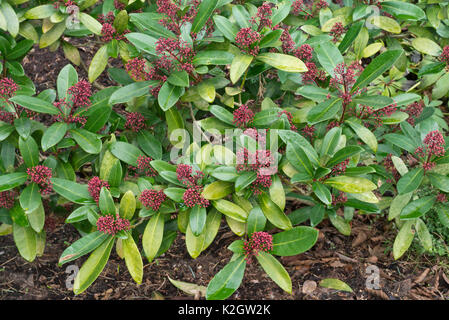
(334, 255)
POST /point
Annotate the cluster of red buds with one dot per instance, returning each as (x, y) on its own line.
(308, 131)
(340, 168)
(108, 32)
(110, 225)
(7, 117)
(178, 13)
(332, 124)
(248, 41)
(152, 199)
(260, 162)
(344, 79)
(289, 116)
(7, 88)
(41, 175)
(177, 51)
(434, 142)
(288, 44)
(341, 198)
(192, 196)
(80, 94)
(377, 115)
(7, 199)
(441, 197)
(94, 187)
(118, 5)
(137, 69)
(259, 241)
(444, 57)
(304, 52)
(263, 15)
(308, 8)
(414, 110)
(243, 116)
(62, 105)
(135, 121)
(260, 135)
(64, 3)
(337, 31)
(144, 167)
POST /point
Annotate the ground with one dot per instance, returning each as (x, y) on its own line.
(333, 256)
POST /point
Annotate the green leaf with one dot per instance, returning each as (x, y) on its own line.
(230, 209)
(12, 180)
(226, 27)
(40, 12)
(30, 198)
(189, 288)
(25, 240)
(275, 270)
(385, 23)
(439, 181)
(401, 141)
(403, 240)
(329, 56)
(130, 91)
(90, 23)
(10, 15)
(87, 140)
(52, 35)
(106, 203)
(403, 10)
(197, 219)
(398, 203)
(424, 235)
(217, 190)
(322, 192)
(324, 111)
(330, 141)
(153, 235)
(205, 10)
(273, 213)
(133, 259)
(35, 104)
(194, 244)
(417, 208)
(82, 246)
(364, 134)
(53, 135)
(244, 180)
(213, 222)
(143, 42)
(169, 95)
(149, 144)
(427, 46)
(276, 192)
(378, 66)
(335, 284)
(294, 241)
(126, 152)
(256, 220)
(93, 266)
(29, 151)
(376, 102)
(351, 184)
(443, 214)
(72, 191)
(239, 65)
(350, 36)
(179, 78)
(98, 63)
(410, 181)
(340, 224)
(282, 62)
(225, 282)
(299, 158)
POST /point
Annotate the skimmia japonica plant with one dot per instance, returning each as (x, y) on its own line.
(262, 117)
